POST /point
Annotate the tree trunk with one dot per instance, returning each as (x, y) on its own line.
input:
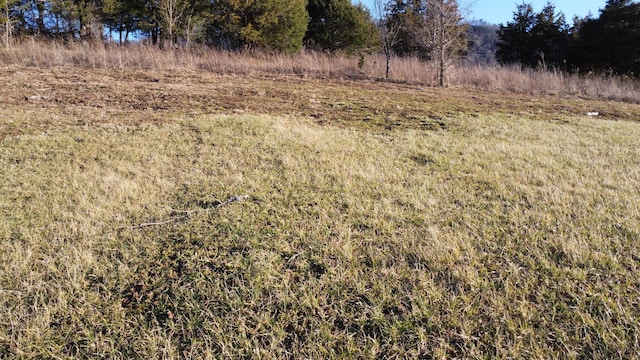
(42, 29)
(441, 46)
(81, 23)
(8, 27)
(188, 33)
(388, 56)
(442, 65)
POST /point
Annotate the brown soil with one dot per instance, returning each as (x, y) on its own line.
(137, 96)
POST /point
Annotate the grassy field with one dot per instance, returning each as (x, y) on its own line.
(164, 214)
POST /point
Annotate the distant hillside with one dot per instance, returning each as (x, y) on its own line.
(483, 39)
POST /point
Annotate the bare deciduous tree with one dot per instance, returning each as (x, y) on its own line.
(192, 24)
(8, 20)
(389, 31)
(444, 34)
(171, 12)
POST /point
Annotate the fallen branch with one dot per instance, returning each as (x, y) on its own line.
(188, 213)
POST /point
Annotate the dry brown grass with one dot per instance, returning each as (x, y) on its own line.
(383, 220)
(320, 65)
(536, 82)
(495, 237)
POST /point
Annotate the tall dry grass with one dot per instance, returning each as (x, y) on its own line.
(314, 64)
(548, 82)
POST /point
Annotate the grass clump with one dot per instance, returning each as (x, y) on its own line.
(491, 236)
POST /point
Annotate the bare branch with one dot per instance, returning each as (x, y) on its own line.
(389, 32)
(187, 213)
(442, 32)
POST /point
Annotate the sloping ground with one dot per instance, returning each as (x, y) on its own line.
(369, 220)
(116, 94)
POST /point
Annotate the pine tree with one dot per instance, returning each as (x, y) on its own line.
(123, 16)
(31, 17)
(408, 16)
(550, 38)
(277, 25)
(610, 42)
(337, 25)
(283, 24)
(534, 40)
(515, 39)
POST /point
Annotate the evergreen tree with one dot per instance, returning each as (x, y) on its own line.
(123, 17)
(515, 39)
(277, 25)
(337, 25)
(610, 42)
(283, 24)
(551, 38)
(407, 16)
(31, 17)
(534, 40)
(79, 19)
(69, 19)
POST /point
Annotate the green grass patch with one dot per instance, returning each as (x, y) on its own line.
(483, 237)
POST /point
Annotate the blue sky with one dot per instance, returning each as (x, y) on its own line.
(501, 11)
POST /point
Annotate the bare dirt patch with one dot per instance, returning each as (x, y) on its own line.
(134, 96)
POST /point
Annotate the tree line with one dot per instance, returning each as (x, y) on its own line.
(429, 29)
(274, 25)
(607, 43)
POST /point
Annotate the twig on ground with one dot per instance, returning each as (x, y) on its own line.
(188, 213)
